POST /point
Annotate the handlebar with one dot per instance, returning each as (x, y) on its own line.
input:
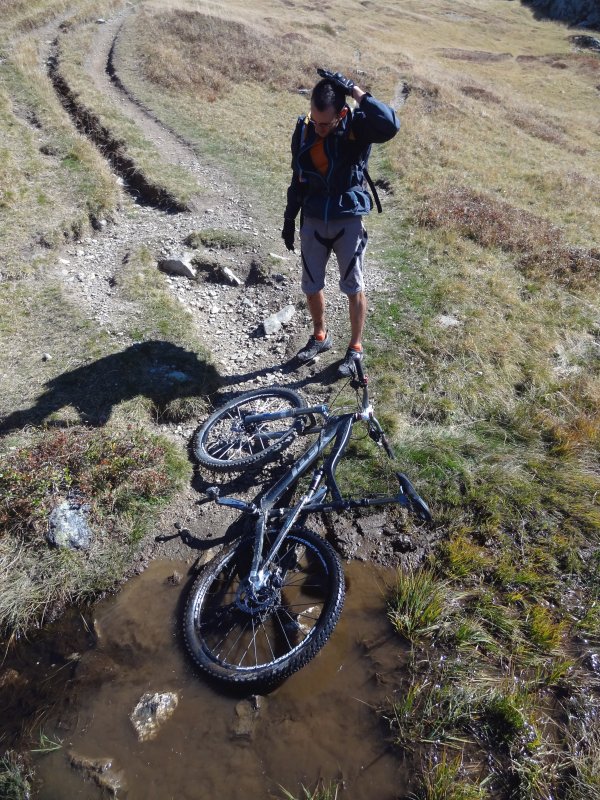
(362, 381)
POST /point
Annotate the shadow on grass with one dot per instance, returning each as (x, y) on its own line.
(157, 371)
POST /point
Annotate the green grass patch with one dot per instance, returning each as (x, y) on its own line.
(15, 777)
(119, 476)
(418, 603)
(324, 790)
(219, 239)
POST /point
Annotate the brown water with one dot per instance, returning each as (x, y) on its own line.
(321, 723)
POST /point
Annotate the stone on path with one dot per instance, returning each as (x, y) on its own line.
(178, 265)
(231, 277)
(246, 717)
(151, 711)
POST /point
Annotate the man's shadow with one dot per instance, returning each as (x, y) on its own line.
(159, 371)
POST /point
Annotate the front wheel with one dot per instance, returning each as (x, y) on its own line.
(226, 442)
(260, 637)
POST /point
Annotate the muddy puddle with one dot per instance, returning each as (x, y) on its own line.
(321, 723)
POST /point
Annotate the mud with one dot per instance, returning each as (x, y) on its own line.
(322, 723)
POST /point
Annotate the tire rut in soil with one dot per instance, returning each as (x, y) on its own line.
(87, 122)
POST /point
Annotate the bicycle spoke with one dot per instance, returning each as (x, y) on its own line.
(250, 643)
(242, 632)
(268, 640)
(290, 647)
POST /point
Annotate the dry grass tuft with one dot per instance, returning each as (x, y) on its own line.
(487, 221)
(479, 93)
(573, 266)
(546, 130)
(478, 56)
(496, 223)
(187, 51)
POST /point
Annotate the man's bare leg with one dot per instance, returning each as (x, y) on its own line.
(357, 306)
(316, 307)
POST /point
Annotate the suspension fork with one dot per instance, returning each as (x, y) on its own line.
(340, 432)
(258, 573)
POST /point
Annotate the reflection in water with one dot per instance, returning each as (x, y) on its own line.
(319, 723)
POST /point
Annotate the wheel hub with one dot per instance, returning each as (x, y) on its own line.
(253, 601)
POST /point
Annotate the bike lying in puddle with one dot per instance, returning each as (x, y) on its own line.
(266, 605)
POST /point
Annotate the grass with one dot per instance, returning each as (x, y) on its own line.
(488, 684)
(483, 348)
(443, 779)
(323, 791)
(15, 777)
(417, 605)
(120, 477)
(218, 239)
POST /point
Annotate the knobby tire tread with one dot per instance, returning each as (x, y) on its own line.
(201, 435)
(267, 675)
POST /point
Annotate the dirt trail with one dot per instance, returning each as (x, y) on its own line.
(228, 320)
(173, 149)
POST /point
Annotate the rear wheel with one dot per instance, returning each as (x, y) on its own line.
(226, 442)
(241, 636)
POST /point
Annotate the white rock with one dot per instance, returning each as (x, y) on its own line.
(447, 321)
(151, 711)
(178, 265)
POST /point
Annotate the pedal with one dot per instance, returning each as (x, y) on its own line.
(212, 492)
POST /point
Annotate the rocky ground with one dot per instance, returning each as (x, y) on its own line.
(228, 319)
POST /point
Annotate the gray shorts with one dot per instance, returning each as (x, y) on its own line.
(347, 238)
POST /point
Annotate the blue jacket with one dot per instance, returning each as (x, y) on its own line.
(342, 191)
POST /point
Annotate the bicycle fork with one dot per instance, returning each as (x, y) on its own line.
(259, 573)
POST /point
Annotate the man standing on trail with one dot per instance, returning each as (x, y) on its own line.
(330, 151)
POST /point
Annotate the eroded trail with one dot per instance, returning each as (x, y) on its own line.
(309, 728)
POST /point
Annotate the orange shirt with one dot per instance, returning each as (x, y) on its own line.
(318, 156)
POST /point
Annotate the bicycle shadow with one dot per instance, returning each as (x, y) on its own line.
(156, 371)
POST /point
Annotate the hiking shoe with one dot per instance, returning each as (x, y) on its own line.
(347, 369)
(313, 347)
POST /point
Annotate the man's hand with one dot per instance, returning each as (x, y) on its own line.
(340, 80)
(288, 233)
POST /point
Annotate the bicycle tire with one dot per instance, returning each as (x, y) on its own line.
(224, 444)
(263, 646)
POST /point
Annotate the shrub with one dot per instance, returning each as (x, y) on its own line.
(109, 472)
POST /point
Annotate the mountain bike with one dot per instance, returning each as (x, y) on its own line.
(267, 604)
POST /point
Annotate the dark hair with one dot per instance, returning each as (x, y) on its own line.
(328, 95)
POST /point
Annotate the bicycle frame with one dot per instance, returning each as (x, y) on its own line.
(336, 429)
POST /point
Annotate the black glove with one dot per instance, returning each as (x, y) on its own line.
(288, 233)
(336, 77)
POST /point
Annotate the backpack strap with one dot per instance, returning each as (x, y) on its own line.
(373, 189)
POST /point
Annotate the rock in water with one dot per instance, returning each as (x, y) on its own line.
(101, 771)
(151, 712)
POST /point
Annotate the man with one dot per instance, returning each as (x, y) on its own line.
(330, 151)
